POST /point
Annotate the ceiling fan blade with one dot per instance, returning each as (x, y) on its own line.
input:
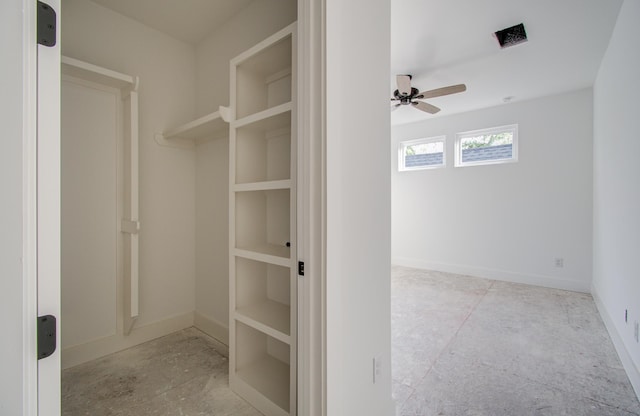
(427, 108)
(439, 92)
(404, 84)
(395, 107)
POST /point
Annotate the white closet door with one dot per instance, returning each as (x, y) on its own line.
(89, 212)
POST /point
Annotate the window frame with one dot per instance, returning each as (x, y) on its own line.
(425, 140)
(512, 128)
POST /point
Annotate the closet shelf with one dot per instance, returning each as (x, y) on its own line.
(212, 126)
(97, 74)
(270, 377)
(266, 253)
(270, 317)
(263, 186)
(263, 117)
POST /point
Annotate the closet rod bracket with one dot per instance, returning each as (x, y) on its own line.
(130, 227)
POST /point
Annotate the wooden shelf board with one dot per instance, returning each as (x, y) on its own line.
(84, 70)
(247, 253)
(266, 43)
(269, 377)
(268, 249)
(275, 316)
(209, 125)
(261, 119)
(263, 186)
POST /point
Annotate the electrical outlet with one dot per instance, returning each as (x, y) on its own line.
(636, 329)
(559, 262)
(377, 368)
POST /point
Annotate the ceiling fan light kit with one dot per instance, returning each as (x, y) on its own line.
(408, 95)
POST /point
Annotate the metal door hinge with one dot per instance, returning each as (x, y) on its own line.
(300, 268)
(46, 336)
(46, 25)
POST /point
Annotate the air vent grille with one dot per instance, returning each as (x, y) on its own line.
(511, 36)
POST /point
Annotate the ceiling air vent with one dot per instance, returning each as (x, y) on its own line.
(511, 36)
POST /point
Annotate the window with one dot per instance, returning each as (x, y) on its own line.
(422, 154)
(487, 146)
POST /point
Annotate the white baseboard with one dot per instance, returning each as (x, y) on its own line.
(627, 362)
(82, 353)
(495, 274)
(212, 328)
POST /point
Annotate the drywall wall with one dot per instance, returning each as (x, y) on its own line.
(11, 220)
(616, 200)
(358, 209)
(212, 238)
(166, 68)
(506, 221)
(88, 222)
(257, 21)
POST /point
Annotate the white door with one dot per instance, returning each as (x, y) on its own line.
(48, 211)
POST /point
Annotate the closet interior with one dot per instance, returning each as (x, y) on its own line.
(179, 183)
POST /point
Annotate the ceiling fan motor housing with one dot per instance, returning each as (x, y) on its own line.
(404, 98)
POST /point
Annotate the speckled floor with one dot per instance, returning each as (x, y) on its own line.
(469, 346)
(185, 373)
(462, 346)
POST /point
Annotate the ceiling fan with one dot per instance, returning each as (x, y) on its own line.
(408, 95)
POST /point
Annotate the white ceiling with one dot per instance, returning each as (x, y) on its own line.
(444, 42)
(186, 20)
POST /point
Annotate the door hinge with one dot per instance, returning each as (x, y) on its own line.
(300, 268)
(46, 25)
(46, 336)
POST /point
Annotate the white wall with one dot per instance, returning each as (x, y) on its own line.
(166, 68)
(251, 25)
(89, 215)
(358, 207)
(212, 237)
(11, 215)
(506, 221)
(616, 220)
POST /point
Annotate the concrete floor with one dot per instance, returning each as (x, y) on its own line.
(470, 346)
(185, 373)
(462, 346)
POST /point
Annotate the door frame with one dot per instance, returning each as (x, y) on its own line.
(48, 212)
(29, 203)
(311, 209)
(312, 338)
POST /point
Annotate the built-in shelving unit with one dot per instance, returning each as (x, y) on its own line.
(262, 225)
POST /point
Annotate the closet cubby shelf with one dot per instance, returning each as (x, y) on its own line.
(269, 317)
(263, 366)
(264, 116)
(263, 186)
(212, 126)
(268, 253)
(270, 378)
